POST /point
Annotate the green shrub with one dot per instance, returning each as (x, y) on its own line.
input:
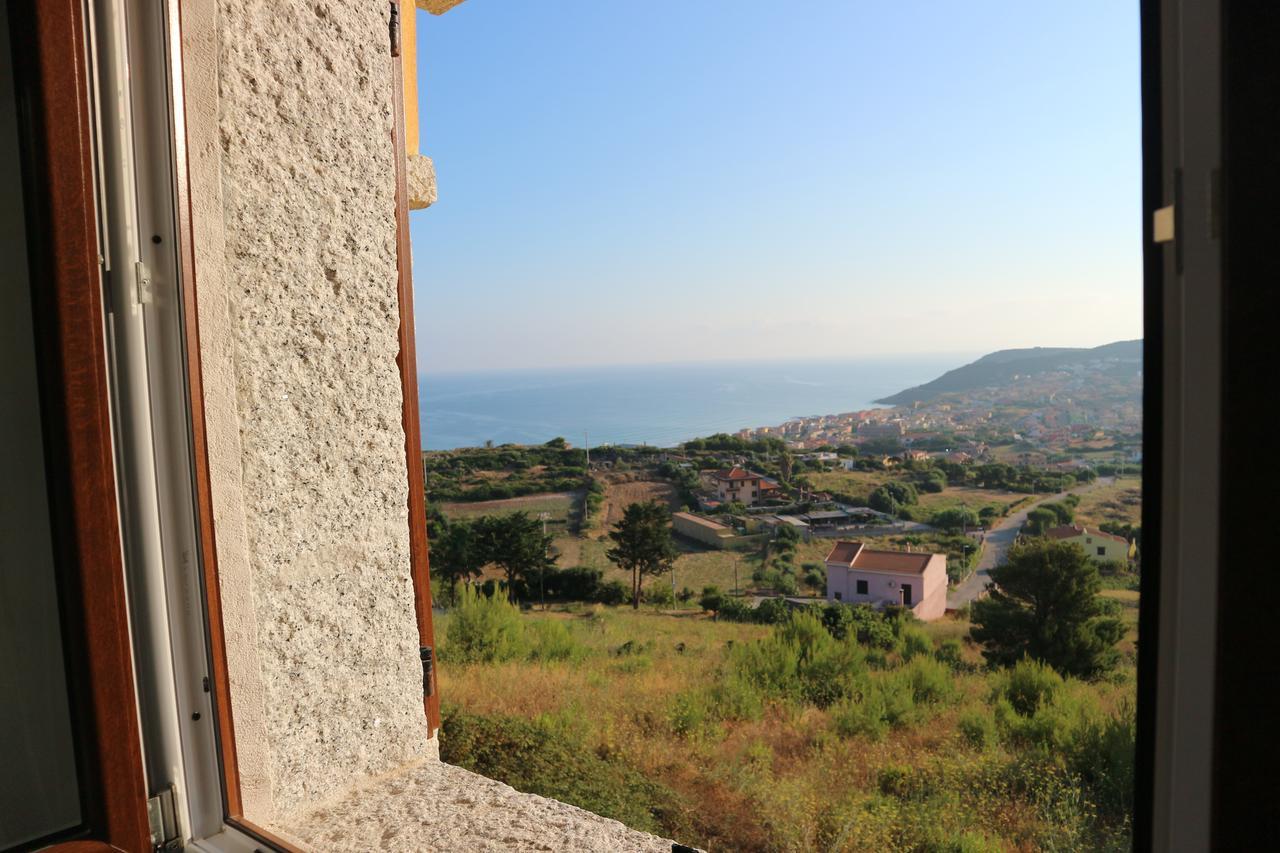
(874, 706)
(612, 593)
(484, 629)
(1027, 686)
(978, 728)
(711, 598)
(861, 714)
(734, 698)
(659, 594)
(930, 682)
(690, 712)
(550, 640)
(904, 783)
(914, 641)
(544, 759)
(951, 653)
(736, 610)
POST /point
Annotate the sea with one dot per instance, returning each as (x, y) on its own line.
(660, 405)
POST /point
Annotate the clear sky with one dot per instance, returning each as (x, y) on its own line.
(626, 182)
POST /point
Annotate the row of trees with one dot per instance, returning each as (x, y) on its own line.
(516, 544)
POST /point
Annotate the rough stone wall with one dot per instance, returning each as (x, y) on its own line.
(304, 121)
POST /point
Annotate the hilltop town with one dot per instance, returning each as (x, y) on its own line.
(1052, 409)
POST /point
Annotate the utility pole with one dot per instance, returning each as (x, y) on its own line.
(542, 573)
(735, 574)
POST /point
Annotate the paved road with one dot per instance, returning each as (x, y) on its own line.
(997, 543)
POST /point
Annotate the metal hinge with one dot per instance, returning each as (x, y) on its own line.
(162, 817)
(142, 280)
(428, 658)
(395, 29)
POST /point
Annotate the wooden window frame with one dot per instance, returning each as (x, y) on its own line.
(53, 90)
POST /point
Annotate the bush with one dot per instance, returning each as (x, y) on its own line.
(612, 593)
(484, 629)
(874, 706)
(914, 641)
(659, 595)
(550, 640)
(735, 610)
(1028, 686)
(711, 598)
(930, 682)
(541, 758)
(978, 729)
(578, 583)
(951, 653)
(861, 714)
(771, 611)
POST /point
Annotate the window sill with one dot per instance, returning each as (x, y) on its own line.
(430, 805)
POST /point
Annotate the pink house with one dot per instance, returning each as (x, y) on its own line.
(859, 575)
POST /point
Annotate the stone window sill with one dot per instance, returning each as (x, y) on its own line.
(430, 805)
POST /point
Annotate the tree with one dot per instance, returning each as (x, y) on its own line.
(642, 543)
(457, 553)
(893, 496)
(1044, 604)
(954, 519)
(1039, 520)
(516, 544)
(785, 465)
(712, 598)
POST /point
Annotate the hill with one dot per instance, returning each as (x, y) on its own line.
(1003, 367)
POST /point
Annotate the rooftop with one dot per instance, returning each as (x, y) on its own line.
(1071, 531)
(735, 473)
(700, 521)
(855, 555)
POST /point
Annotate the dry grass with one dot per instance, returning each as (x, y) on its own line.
(784, 781)
(559, 505)
(1119, 502)
(974, 499)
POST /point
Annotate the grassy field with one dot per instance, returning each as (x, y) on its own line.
(974, 499)
(857, 483)
(559, 506)
(1120, 502)
(663, 722)
(862, 483)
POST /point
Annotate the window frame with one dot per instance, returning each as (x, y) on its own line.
(51, 79)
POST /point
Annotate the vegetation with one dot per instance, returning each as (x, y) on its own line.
(483, 474)
(833, 729)
(1045, 606)
(642, 543)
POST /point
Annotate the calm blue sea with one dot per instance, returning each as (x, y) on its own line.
(659, 404)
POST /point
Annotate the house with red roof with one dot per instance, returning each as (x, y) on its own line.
(738, 484)
(1098, 545)
(857, 574)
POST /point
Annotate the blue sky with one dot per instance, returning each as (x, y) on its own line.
(627, 182)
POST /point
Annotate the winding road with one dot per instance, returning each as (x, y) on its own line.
(996, 544)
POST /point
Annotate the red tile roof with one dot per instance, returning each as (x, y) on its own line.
(1071, 531)
(735, 474)
(857, 556)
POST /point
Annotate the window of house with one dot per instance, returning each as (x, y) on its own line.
(862, 587)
